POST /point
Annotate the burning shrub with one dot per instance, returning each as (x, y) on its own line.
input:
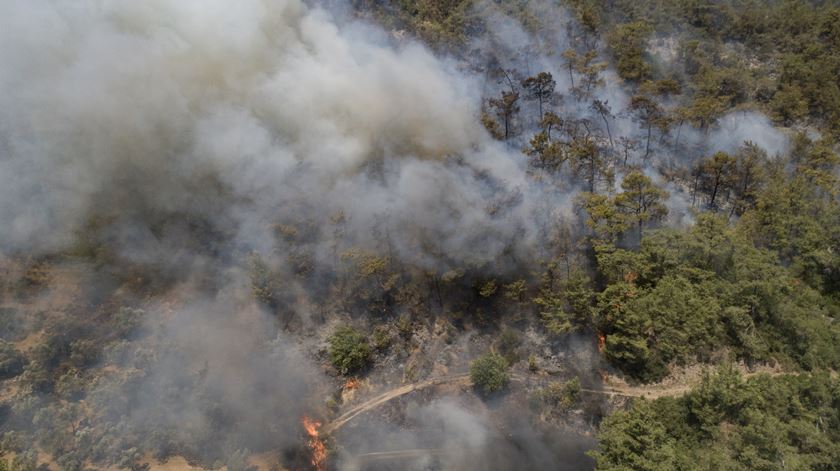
(349, 350)
(489, 373)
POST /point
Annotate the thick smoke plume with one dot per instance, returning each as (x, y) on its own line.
(153, 122)
(159, 118)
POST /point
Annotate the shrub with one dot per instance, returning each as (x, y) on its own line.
(559, 396)
(11, 360)
(11, 324)
(126, 320)
(349, 350)
(509, 343)
(489, 373)
(381, 338)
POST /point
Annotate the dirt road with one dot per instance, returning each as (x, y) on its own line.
(377, 401)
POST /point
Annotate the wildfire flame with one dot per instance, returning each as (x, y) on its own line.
(316, 445)
(602, 341)
(350, 384)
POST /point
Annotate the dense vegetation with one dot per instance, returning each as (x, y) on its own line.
(778, 55)
(728, 423)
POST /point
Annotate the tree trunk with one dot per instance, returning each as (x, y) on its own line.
(607, 124)
(714, 192)
(694, 191)
(679, 129)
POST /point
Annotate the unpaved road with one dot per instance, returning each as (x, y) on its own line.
(650, 392)
(376, 401)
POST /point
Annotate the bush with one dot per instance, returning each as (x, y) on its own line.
(349, 350)
(11, 324)
(509, 343)
(126, 320)
(11, 360)
(265, 284)
(558, 396)
(489, 373)
(381, 338)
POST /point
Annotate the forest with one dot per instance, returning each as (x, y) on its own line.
(421, 235)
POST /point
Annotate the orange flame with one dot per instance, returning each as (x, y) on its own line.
(602, 341)
(316, 445)
(350, 384)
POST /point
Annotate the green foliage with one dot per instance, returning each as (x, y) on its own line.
(565, 302)
(557, 396)
(265, 284)
(505, 108)
(508, 344)
(641, 201)
(515, 291)
(768, 423)
(405, 326)
(440, 23)
(24, 462)
(532, 363)
(789, 105)
(635, 440)
(627, 43)
(381, 338)
(488, 289)
(791, 68)
(349, 350)
(685, 294)
(647, 329)
(489, 373)
(541, 88)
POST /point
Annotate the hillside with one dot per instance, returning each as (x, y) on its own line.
(432, 234)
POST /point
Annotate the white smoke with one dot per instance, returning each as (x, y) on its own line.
(242, 116)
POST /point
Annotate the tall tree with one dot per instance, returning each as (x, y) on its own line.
(603, 110)
(748, 176)
(506, 108)
(628, 43)
(641, 200)
(541, 88)
(545, 153)
(587, 160)
(717, 175)
(648, 113)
